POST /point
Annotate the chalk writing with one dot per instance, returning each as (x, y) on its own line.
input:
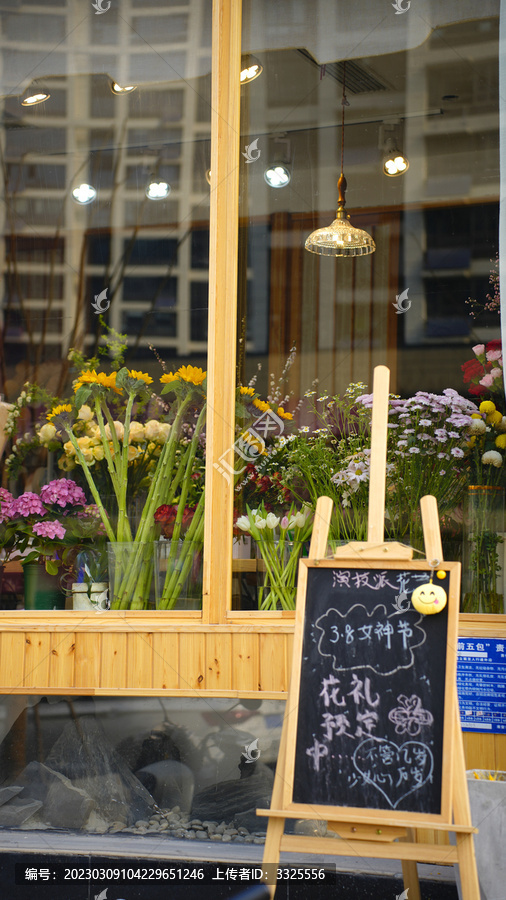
(388, 638)
(394, 771)
(410, 716)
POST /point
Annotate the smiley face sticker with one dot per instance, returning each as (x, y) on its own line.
(429, 598)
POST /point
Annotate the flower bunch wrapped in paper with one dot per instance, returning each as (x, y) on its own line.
(168, 451)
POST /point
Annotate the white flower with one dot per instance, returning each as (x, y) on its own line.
(85, 413)
(304, 429)
(414, 450)
(492, 458)
(478, 426)
(457, 452)
(426, 423)
(152, 430)
(47, 432)
(272, 521)
(260, 523)
(501, 426)
(243, 523)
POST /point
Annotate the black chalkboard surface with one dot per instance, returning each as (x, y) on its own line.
(371, 696)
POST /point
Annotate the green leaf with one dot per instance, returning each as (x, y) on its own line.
(51, 567)
(82, 395)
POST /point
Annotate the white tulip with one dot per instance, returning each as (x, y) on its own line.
(272, 521)
(243, 523)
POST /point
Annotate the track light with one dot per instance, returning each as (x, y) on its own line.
(395, 162)
(251, 68)
(36, 93)
(118, 89)
(84, 194)
(277, 175)
(157, 190)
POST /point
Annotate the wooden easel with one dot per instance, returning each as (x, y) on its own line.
(373, 835)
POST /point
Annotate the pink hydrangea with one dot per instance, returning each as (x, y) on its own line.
(49, 529)
(63, 492)
(29, 504)
(6, 500)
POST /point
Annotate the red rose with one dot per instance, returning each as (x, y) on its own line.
(496, 344)
(472, 369)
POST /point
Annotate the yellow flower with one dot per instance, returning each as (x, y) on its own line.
(93, 432)
(283, 414)
(85, 413)
(500, 441)
(494, 418)
(140, 376)
(192, 374)
(136, 433)
(69, 449)
(475, 416)
(83, 443)
(486, 406)
(92, 377)
(98, 452)
(88, 456)
(133, 453)
(66, 464)
(261, 405)
(168, 377)
(472, 440)
(247, 390)
(47, 432)
(63, 407)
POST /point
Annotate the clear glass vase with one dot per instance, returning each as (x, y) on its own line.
(131, 569)
(482, 550)
(277, 567)
(178, 574)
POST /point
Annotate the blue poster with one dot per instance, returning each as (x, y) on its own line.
(481, 684)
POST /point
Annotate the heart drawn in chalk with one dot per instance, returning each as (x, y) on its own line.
(394, 771)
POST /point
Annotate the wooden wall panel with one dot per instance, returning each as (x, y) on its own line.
(113, 660)
(61, 660)
(273, 669)
(12, 658)
(218, 661)
(192, 663)
(37, 657)
(139, 660)
(166, 661)
(246, 662)
(87, 655)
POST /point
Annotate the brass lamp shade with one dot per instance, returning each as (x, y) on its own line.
(340, 238)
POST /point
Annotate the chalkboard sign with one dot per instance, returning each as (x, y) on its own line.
(375, 704)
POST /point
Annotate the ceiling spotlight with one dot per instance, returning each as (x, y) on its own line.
(341, 238)
(277, 176)
(157, 190)
(251, 68)
(394, 162)
(34, 94)
(84, 194)
(118, 89)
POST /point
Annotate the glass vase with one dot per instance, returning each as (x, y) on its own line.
(277, 567)
(482, 550)
(130, 574)
(178, 574)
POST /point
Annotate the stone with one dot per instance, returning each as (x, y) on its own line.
(202, 836)
(226, 837)
(18, 811)
(235, 797)
(64, 805)
(216, 837)
(7, 793)
(85, 756)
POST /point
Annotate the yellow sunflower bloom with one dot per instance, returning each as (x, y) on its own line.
(247, 390)
(140, 376)
(487, 407)
(283, 414)
(192, 374)
(261, 405)
(57, 410)
(168, 377)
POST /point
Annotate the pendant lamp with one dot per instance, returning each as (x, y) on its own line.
(341, 238)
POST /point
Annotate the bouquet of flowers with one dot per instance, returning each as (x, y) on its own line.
(168, 454)
(484, 373)
(280, 540)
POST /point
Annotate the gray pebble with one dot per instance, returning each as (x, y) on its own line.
(216, 837)
(207, 823)
(243, 830)
(164, 826)
(116, 828)
(141, 823)
(259, 840)
(190, 834)
(201, 835)
(196, 822)
(226, 837)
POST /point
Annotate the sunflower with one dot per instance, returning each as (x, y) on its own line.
(247, 390)
(92, 377)
(262, 405)
(140, 376)
(57, 410)
(192, 374)
(283, 414)
(168, 377)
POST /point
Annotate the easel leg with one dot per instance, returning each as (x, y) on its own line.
(462, 815)
(410, 871)
(275, 830)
